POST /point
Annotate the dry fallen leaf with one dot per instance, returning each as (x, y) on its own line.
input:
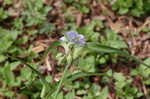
(48, 64)
(22, 96)
(79, 19)
(38, 49)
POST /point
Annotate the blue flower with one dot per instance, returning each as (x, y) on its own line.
(73, 37)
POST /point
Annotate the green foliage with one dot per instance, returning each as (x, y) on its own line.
(19, 66)
(87, 64)
(11, 43)
(124, 88)
(3, 14)
(36, 12)
(87, 89)
(8, 2)
(89, 32)
(143, 71)
(82, 5)
(114, 40)
(7, 38)
(133, 7)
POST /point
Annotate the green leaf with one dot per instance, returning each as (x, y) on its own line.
(82, 75)
(13, 65)
(119, 77)
(136, 12)
(102, 60)
(2, 58)
(3, 14)
(7, 38)
(94, 36)
(8, 75)
(18, 23)
(77, 52)
(44, 91)
(93, 91)
(60, 96)
(68, 1)
(143, 70)
(147, 82)
(48, 78)
(25, 73)
(70, 95)
(87, 64)
(81, 92)
(123, 10)
(46, 28)
(103, 49)
(8, 2)
(98, 23)
(104, 93)
(132, 7)
(117, 44)
(7, 93)
(84, 9)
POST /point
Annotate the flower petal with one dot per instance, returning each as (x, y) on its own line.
(71, 35)
(81, 36)
(62, 38)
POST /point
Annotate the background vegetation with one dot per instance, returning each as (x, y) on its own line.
(32, 61)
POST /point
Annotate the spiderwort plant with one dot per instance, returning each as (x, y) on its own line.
(69, 40)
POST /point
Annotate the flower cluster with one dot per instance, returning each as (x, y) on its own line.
(73, 37)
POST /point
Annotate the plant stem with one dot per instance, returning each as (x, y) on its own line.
(61, 81)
